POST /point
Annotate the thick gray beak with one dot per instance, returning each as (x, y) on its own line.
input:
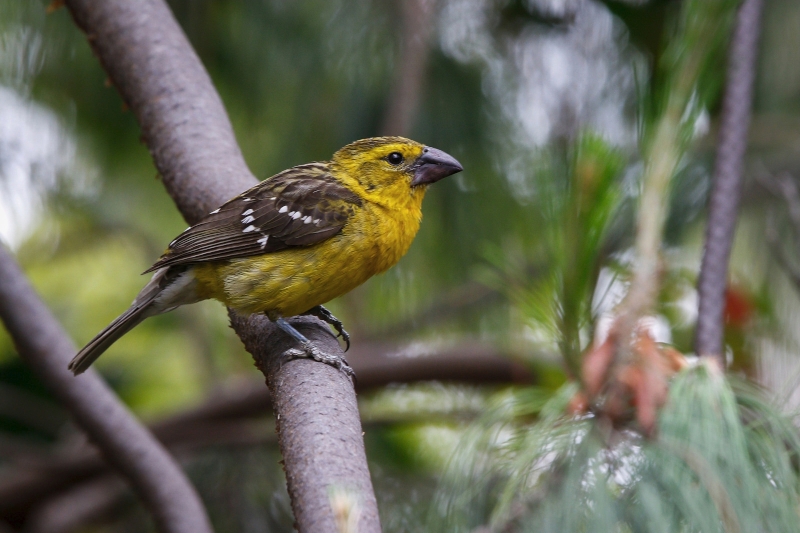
(434, 165)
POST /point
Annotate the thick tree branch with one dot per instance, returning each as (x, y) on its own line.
(336, 461)
(184, 124)
(724, 202)
(124, 443)
(160, 78)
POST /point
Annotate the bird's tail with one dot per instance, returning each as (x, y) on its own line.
(119, 327)
(167, 289)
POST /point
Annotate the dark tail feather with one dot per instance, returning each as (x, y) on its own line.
(143, 306)
(103, 340)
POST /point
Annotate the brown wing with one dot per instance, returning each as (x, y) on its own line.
(300, 206)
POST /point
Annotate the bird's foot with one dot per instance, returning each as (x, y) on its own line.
(326, 316)
(309, 351)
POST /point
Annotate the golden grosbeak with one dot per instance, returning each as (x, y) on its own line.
(294, 241)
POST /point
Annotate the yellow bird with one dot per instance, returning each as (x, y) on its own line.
(294, 241)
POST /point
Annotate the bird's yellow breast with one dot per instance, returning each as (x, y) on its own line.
(294, 280)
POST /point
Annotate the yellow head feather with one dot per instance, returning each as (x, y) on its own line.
(375, 165)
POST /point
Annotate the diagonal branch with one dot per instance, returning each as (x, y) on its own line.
(724, 202)
(125, 443)
(184, 124)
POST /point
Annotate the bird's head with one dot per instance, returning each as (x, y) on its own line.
(397, 164)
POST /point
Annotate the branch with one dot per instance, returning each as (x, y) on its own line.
(376, 366)
(470, 295)
(86, 503)
(684, 61)
(226, 418)
(724, 202)
(784, 187)
(184, 124)
(417, 25)
(662, 156)
(124, 443)
(161, 79)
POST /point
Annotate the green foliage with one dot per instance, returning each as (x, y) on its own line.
(686, 81)
(579, 196)
(592, 201)
(477, 478)
(721, 461)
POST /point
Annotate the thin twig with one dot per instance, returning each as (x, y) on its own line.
(469, 296)
(184, 124)
(725, 192)
(124, 443)
(785, 187)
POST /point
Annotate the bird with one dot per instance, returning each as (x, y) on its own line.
(293, 242)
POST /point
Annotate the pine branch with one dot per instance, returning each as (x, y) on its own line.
(701, 30)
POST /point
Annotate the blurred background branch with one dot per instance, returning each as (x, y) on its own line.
(233, 417)
(784, 187)
(124, 443)
(417, 21)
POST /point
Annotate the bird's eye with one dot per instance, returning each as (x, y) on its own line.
(395, 158)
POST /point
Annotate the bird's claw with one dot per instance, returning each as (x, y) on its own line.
(341, 332)
(326, 316)
(310, 351)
